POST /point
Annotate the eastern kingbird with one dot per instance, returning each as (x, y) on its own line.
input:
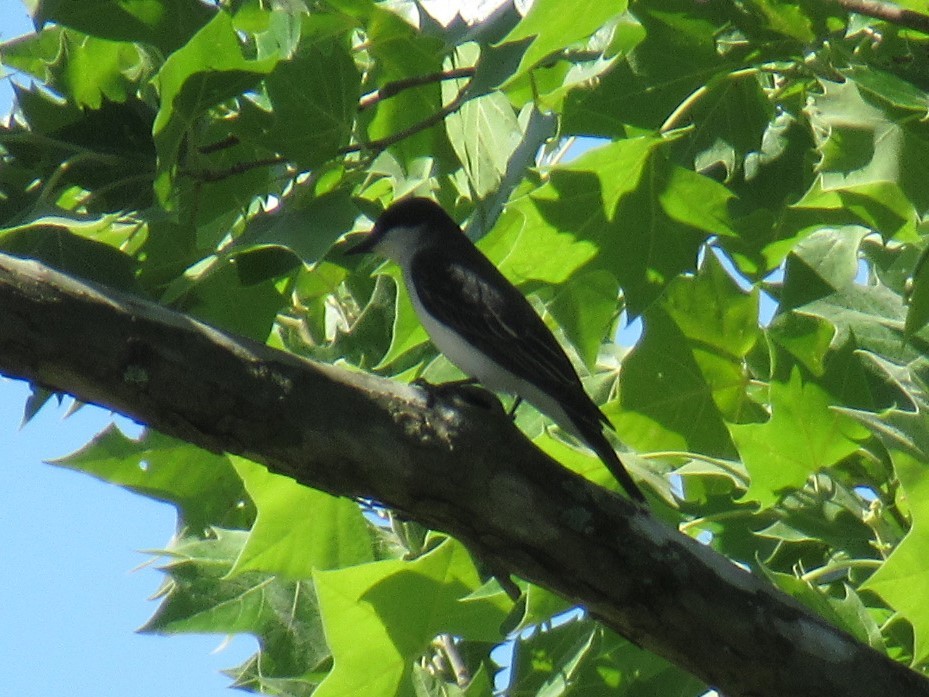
(484, 325)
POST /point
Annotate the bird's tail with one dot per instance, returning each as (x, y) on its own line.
(591, 432)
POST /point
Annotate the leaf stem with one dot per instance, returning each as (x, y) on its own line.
(698, 94)
(726, 465)
(726, 515)
(829, 569)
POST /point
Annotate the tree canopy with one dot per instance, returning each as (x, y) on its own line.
(745, 181)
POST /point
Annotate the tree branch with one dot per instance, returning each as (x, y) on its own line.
(398, 86)
(451, 460)
(889, 13)
(367, 101)
(215, 175)
(377, 146)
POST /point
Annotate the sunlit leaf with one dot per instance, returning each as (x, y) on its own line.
(298, 529)
(374, 601)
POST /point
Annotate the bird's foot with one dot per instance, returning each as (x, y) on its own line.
(466, 390)
(426, 385)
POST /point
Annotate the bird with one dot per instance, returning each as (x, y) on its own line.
(484, 325)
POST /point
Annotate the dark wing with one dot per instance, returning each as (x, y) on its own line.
(479, 303)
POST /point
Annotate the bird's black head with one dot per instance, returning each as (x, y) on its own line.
(411, 213)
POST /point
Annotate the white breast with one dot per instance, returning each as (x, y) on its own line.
(478, 365)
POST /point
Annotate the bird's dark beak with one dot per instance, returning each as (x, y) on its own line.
(366, 245)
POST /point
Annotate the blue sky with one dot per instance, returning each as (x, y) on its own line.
(71, 596)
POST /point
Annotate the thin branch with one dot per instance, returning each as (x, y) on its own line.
(227, 142)
(889, 13)
(397, 86)
(374, 146)
(215, 175)
(377, 146)
(446, 642)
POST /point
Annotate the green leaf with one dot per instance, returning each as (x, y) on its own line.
(880, 205)
(917, 314)
(665, 400)
(306, 224)
(830, 518)
(815, 600)
(731, 122)
(889, 87)
(541, 606)
(401, 52)
(407, 332)
(806, 338)
(313, 98)
(802, 436)
(579, 657)
(858, 620)
(549, 661)
(368, 339)
(865, 145)
(552, 29)
(201, 597)
(785, 18)
(820, 281)
(379, 617)
(73, 254)
(640, 673)
(484, 134)
(720, 322)
(33, 54)
(297, 528)
(780, 170)
(656, 214)
(628, 209)
(526, 246)
(209, 69)
(585, 308)
(203, 486)
(711, 309)
(903, 427)
(167, 24)
(678, 56)
(903, 580)
(91, 70)
(820, 265)
(619, 167)
(106, 152)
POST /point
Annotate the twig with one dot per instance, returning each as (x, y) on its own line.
(397, 86)
(452, 652)
(227, 142)
(215, 175)
(428, 122)
(375, 146)
(889, 13)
